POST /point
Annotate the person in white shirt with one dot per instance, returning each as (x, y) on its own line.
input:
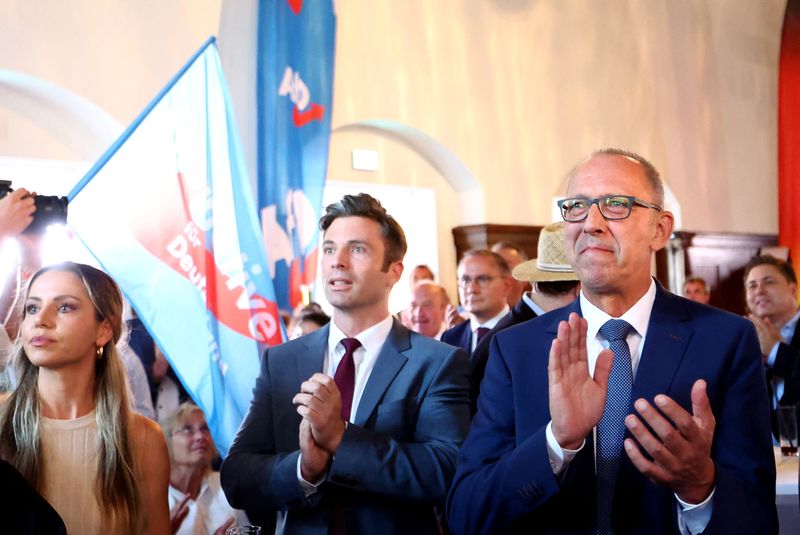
(196, 501)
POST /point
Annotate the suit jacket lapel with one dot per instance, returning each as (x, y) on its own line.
(668, 335)
(312, 359)
(390, 361)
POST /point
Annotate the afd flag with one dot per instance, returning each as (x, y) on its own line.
(294, 87)
(168, 212)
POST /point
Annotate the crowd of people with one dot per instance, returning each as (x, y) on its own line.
(568, 393)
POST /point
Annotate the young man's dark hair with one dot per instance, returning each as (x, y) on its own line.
(364, 205)
(783, 266)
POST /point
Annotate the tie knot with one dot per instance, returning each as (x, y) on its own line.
(480, 332)
(350, 345)
(615, 330)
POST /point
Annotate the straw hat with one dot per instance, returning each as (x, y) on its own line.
(551, 264)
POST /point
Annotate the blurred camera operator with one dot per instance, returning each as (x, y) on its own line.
(16, 213)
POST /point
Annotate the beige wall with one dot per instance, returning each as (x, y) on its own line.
(518, 90)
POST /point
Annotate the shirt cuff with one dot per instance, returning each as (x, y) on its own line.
(307, 487)
(693, 518)
(559, 457)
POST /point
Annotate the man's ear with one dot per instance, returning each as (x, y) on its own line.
(396, 271)
(663, 230)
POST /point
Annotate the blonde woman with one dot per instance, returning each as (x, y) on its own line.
(68, 428)
(197, 503)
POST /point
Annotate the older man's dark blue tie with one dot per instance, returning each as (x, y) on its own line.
(611, 429)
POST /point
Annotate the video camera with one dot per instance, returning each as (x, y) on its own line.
(49, 209)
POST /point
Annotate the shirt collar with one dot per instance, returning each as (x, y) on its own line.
(532, 304)
(371, 339)
(787, 331)
(638, 316)
(489, 324)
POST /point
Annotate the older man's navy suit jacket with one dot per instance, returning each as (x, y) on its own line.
(504, 482)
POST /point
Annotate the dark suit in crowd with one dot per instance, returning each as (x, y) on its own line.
(459, 336)
(477, 360)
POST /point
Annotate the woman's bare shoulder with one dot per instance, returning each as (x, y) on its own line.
(145, 433)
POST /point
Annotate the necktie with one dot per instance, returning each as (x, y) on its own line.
(611, 429)
(480, 332)
(345, 377)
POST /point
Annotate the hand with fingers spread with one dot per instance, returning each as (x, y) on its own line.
(768, 333)
(320, 403)
(576, 399)
(681, 446)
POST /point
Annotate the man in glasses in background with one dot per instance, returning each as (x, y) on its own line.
(631, 410)
(484, 281)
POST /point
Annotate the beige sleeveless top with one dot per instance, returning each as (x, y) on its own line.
(70, 470)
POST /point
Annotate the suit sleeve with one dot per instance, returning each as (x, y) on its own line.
(253, 475)
(498, 480)
(423, 468)
(744, 500)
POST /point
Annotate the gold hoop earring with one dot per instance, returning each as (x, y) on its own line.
(100, 351)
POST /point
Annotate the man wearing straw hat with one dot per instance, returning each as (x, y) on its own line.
(554, 285)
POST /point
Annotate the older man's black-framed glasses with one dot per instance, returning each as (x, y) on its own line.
(612, 207)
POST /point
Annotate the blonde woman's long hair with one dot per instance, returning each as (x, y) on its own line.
(116, 489)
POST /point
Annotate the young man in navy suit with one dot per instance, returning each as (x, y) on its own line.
(628, 411)
(353, 428)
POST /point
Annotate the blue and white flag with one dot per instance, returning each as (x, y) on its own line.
(294, 87)
(168, 212)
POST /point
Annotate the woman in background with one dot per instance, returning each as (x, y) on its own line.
(68, 427)
(197, 503)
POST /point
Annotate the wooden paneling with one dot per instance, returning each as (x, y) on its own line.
(716, 257)
(484, 236)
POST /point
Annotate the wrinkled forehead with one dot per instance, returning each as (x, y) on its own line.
(609, 174)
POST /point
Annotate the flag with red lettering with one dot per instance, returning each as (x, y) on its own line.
(168, 212)
(294, 88)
